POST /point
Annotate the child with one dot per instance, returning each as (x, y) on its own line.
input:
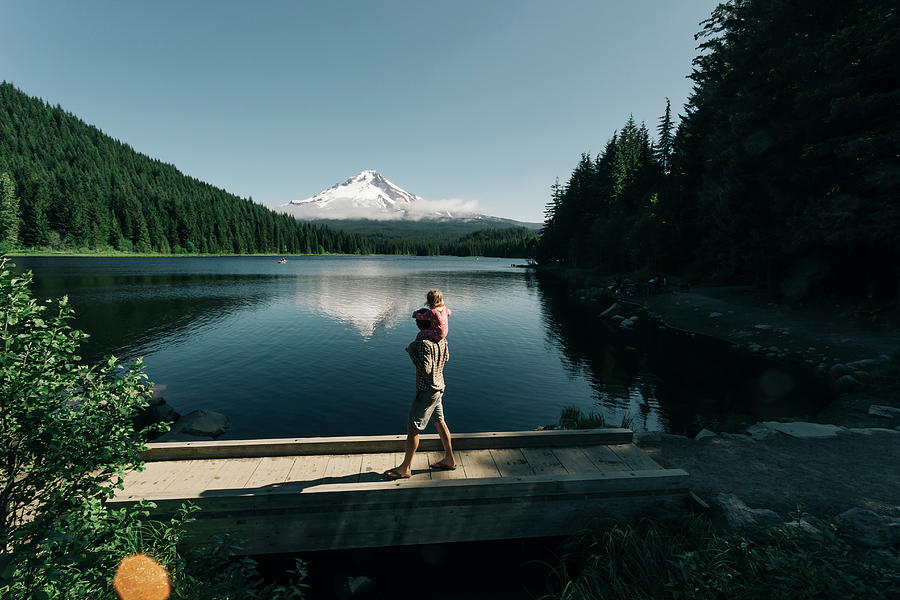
(437, 313)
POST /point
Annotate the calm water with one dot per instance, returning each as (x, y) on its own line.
(315, 347)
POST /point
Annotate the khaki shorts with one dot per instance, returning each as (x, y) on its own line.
(425, 408)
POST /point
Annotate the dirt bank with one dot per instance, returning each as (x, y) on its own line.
(825, 476)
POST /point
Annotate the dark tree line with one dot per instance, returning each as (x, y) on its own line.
(66, 185)
(784, 168)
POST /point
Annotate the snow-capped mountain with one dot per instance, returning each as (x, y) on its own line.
(366, 196)
(370, 197)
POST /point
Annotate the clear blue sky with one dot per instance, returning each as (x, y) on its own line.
(485, 101)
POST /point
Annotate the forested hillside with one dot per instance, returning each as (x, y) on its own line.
(65, 185)
(784, 168)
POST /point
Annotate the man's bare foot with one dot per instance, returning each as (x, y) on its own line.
(396, 473)
(442, 466)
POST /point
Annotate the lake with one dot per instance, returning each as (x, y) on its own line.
(315, 347)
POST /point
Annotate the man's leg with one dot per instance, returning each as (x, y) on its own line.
(419, 414)
(404, 469)
(444, 433)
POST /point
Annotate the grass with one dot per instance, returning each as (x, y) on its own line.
(685, 557)
(572, 417)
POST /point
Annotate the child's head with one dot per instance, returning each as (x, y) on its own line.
(435, 299)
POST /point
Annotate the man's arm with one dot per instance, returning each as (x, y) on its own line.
(416, 351)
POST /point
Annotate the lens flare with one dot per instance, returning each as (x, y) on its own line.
(139, 577)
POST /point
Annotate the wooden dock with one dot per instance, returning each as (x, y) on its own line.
(288, 495)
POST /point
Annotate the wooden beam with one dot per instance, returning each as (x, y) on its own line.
(381, 443)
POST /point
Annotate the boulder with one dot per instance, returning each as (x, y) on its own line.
(612, 310)
(869, 529)
(804, 524)
(758, 431)
(846, 382)
(180, 436)
(739, 516)
(705, 433)
(800, 429)
(866, 364)
(838, 370)
(157, 411)
(871, 430)
(628, 323)
(204, 423)
(714, 315)
(160, 412)
(355, 587)
(736, 436)
(888, 412)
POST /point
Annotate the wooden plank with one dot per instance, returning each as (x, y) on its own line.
(308, 468)
(384, 443)
(423, 492)
(605, 459)
(419, 467)
(478, 463)
(272, 470)
(634, 457)
(234, 474)
(343, 468)
(543, 461)
(154, 478)
(511, 462)
(574, 460)
(439, 474)
(196, 475)
(374, 465)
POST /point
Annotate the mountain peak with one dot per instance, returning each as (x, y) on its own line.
(367, 195)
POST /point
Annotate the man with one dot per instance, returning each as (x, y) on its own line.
(429, 358)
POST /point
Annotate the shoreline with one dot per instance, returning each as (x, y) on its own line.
(787, 473)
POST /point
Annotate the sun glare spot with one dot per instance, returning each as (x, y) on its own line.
(139, 577)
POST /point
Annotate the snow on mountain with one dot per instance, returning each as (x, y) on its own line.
(369, 196)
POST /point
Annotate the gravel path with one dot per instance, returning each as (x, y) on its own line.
(825, 476)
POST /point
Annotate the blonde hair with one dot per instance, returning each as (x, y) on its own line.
(435, 299)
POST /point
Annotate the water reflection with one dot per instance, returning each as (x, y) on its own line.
(376, 300)
(624, 388)
(673, 380)
(315, 347)
(136, 314)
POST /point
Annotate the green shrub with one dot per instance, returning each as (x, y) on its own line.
(66, 438)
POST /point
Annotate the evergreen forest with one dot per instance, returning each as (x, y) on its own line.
(783, 170)
(64, 185)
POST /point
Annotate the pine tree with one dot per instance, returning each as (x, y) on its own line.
(9, 212)
(664, 145)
